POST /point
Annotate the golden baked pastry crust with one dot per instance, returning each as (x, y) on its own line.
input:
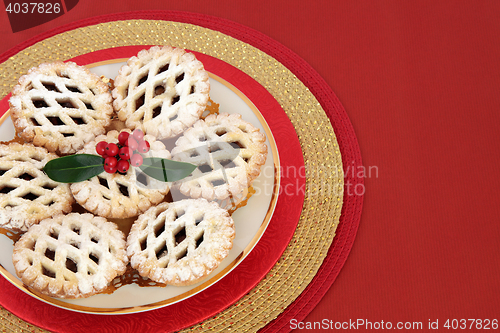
(27, 194)
(162, 90)
(70, 256)
(60, 106)
(180, 243)
(229, 153)
(116, 195)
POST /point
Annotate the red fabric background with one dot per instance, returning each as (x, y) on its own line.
(419, 81)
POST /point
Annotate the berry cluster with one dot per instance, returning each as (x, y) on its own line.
(119, 157)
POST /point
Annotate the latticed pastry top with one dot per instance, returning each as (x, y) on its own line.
(27, 194)
(180, 243)
(70, 256)
(162, 90)
(120, 195)
(229, 153)
(60, 106)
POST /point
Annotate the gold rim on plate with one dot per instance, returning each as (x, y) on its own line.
(323, 162)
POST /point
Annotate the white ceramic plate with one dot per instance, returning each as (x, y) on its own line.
(249, 227)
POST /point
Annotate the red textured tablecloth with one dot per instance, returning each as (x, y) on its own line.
(420, 83)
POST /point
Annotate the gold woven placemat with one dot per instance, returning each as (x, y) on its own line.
(324, 176)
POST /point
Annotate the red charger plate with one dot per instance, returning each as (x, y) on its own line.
(230, 288)
(164, 319)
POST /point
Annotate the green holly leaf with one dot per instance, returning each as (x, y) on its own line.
(166, 170)
(74, 168)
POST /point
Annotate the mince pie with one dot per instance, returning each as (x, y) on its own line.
(180, 243)
(60, 106)
(71, 256)
(229, 153)
(27, 195)
(116, 195)
(162, 90)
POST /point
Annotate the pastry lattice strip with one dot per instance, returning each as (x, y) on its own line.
(153, 84)
(27, 183)
(162, 91)
(228, 153)
(63, 255)
(78, 109)
(180, 243)
(27, 195)
(173, 240)
(60, 106)
(70, 256)
(118, 189)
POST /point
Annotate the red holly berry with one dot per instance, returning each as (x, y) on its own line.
(123, 137)
(132, 144)
(109, 169)
(125, 153)
(138, 135)
(143, 147)
(123, 166)
(112, 149)
(136, 160)
(110, 162)
(101, 148)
